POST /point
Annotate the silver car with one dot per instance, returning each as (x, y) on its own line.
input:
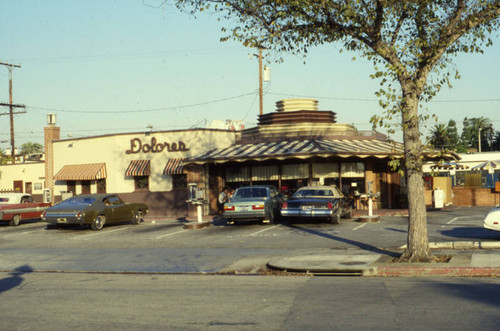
(260, 202)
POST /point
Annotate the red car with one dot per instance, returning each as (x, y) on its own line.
(15, 207)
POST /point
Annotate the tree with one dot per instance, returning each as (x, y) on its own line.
(31, 148)
(496, 141)
(439, 136)
(410, 42)
(3, 157)
(473, 129)
(453, 138)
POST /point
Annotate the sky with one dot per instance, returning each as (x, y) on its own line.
(110, 66)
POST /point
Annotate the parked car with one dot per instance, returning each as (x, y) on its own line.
(95, 210)
(319, 202)
(260, 202)
(15, 207)
(492, 220)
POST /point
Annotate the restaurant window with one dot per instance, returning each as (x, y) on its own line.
(71, 186)
(179, 181)
(238, 174)
(353, 170)
(141, 183)
(101, 186)
(265, 175)
(85, 186)
(295, 171)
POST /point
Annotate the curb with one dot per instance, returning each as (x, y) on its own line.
(432, 272)
(462, 245)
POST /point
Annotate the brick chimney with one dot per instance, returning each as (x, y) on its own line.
(51, 133)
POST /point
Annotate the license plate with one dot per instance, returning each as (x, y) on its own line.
(244, 208)
(307, 208)
(61, 220)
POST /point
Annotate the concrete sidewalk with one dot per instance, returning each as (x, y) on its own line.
(463, 263)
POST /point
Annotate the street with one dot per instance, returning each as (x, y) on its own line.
(63, 301)
(156, 275)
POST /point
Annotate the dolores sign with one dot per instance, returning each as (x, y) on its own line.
(136, 146)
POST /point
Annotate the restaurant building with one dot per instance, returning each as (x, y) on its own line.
(295, 145)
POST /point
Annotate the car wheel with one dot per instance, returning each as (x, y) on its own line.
(137, 218)
(98, 222)
(16, 219)
(335, 219)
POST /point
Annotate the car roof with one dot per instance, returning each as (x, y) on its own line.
(10, 195)
(318, 187)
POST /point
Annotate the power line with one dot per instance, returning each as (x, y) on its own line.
(171, 108)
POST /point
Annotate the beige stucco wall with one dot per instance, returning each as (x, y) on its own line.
(112, 151)
(27, 172)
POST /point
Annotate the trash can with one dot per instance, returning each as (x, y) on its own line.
(438, 198)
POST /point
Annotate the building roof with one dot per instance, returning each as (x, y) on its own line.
(303, 148)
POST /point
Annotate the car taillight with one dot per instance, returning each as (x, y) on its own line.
(257, 207)
(79, 215)
(285, 205)
(329, 205)
(229, 208)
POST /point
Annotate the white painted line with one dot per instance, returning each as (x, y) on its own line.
(454, 219)
(19, 234)
(170, 234)
(359, 226)
(97, 233)
(256, 233)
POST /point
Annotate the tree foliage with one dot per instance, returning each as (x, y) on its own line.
(31, 148)
(410, 43)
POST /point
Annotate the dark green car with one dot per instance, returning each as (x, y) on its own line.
(94, 210)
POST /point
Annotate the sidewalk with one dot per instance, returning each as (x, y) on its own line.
(463, 263)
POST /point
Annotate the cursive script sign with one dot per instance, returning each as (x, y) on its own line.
(136, 146)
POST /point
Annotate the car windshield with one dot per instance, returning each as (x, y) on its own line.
(313, 193)
(77, 201)
(250, 192)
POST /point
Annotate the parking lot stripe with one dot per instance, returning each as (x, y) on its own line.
(256, 233)
(359, 226)
(98, 233)
(169, 234)
(454, 219)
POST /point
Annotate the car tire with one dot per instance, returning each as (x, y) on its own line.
(335, 219)
(16, 219)
(98, 222)
(137, 218)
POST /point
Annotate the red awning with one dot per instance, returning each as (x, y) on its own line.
(93, 171)
(138, 168)
(173, 167)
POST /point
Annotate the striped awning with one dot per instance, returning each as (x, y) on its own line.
(174, 167)
(301, 149)
(138, 168)
(91, 171)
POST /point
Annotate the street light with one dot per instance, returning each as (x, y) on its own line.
(479, 137)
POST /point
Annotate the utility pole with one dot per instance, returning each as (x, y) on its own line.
(261, 97)
(11, 109)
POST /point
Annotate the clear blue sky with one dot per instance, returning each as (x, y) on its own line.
(109, 66)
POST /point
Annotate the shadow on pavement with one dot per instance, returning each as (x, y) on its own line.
(358, 244)
(15, 279)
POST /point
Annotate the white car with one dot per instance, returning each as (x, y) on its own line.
(492, 220)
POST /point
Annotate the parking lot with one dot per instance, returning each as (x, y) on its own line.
(390, 232)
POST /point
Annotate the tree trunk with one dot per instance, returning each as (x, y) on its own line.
(417, 242)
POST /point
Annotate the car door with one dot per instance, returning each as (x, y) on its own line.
(119, 209)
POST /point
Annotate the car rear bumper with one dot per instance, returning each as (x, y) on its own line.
(64, 220)
(313, 213)
(254, 215)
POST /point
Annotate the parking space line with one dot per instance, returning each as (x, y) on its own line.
(169, 234)
(256, 233)
(98, 233)
(453, 220)
(359, 226)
